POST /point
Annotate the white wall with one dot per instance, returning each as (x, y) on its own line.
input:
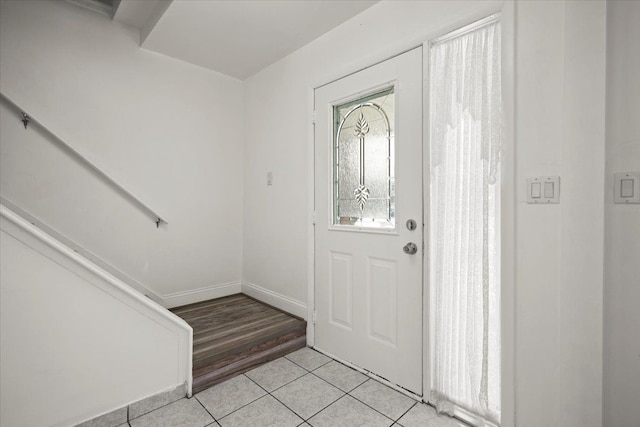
(622, 222)
(168, 131)
(559, 131)
(277, 119)
(73, 346)
(126, 107)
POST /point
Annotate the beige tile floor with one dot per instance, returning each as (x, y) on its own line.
(304, 388)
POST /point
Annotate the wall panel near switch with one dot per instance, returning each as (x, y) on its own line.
(543, 189)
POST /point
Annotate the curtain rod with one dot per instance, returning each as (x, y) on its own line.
(466, 29)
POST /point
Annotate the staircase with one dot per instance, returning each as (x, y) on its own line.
(234, 334)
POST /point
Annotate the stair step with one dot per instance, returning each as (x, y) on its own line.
(235, 334)
(241, 363)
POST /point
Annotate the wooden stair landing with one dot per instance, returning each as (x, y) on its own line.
(234, 334)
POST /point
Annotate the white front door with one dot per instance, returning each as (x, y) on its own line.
(368, 184)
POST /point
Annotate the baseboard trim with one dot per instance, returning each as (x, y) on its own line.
(191, 296)
(283, 302)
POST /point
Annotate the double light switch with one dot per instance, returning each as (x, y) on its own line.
(543, 189)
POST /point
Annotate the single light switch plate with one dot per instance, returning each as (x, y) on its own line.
(543, 190)
(626, 188)
(269, 178)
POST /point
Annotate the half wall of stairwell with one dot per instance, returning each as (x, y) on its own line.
(75, 341)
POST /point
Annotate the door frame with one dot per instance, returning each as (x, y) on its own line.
(508, 200)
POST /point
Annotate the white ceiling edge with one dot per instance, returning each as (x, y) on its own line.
(141, 14)
(234, 38)
(95, 6)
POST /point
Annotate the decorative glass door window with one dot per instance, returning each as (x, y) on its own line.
(363, 162)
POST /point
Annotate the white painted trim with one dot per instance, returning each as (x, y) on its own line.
(508, 219)
(311, 219)
(23, 230)
(191, 296)
(427, 325)
(470, 418)
(283, 302)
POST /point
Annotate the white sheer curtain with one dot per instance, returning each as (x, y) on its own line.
(466, 123)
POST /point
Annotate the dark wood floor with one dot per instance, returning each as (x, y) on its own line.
(236, 333)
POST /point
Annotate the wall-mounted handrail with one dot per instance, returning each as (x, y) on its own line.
(28, 119)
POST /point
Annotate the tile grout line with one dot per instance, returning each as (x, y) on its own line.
(283, 404)
(327, 381)
(312, 372)
(165, 405)
(269, 393)
(317, 412)
(354, 397)
(405, 412)
(275, 389)
(369, 406)
(247, 404)
(326, 407)
(365, 381)
(278, 400)
(308, 373)
(309, 370)
(333, 360)
(346, 393)
(153, 410)
(205, 408)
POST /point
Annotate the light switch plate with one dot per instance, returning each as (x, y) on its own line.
(543, 190)
(626, 188)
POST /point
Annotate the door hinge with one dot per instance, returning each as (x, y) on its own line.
(313, 117)
(313, 318)
(313, 218)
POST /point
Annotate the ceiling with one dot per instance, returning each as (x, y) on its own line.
(236, 38)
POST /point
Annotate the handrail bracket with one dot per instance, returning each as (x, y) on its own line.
(25, 119)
